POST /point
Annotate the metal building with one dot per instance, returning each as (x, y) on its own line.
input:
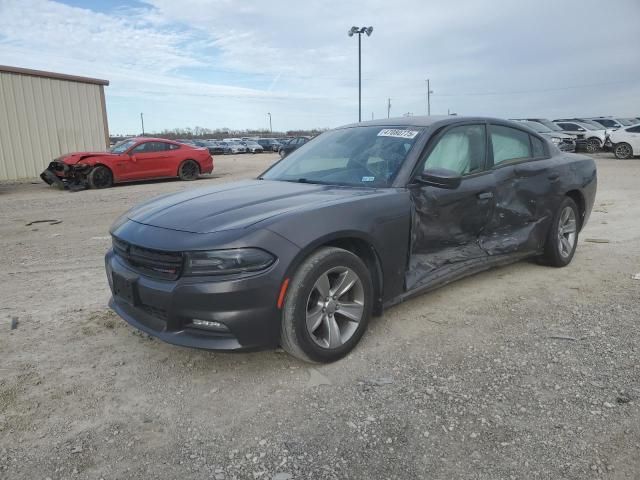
(44, 115)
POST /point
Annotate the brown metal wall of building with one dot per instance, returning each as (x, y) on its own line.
(44, 115)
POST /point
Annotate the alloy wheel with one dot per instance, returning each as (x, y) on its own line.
(101, 178)
(567, 231)
(623, 150)
(335, 307)
(189, 170)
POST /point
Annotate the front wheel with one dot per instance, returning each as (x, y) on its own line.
(562, 239)
(593, 145)
(327, 307)
(622, 151)
(189, 170)
(100, 177)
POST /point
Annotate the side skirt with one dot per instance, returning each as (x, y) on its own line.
(450, 273)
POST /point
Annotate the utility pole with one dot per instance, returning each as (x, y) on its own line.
(371, 115)
(142, 121)
(429, 92)
(388, 107)
(270, 126)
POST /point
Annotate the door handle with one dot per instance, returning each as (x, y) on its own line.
(485, 195)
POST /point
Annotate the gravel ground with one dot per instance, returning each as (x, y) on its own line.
(523, 372)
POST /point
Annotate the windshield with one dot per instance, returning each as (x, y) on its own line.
(606, 122)
(588, 126)
(123, 146)
(625, 121)
(549, 125)
(591, 123)
(537, 127)
(357, 156)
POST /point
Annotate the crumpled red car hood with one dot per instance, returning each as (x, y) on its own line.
(75, 157)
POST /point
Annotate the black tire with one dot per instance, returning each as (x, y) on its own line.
(622, 150)
(100, 177)
(554, 253)
(295, 336)
(189, 170)
(593, 145)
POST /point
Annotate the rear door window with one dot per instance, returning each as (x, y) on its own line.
(509, 144)
(537, 147)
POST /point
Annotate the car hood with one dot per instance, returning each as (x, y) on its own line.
(75, 157)
(238, 205)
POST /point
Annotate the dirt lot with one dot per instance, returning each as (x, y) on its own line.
(523, 372)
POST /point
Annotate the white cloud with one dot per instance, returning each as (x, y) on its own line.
(226, 63)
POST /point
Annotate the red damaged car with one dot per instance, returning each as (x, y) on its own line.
(134, 159)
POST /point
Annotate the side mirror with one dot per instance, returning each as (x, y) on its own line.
(133, 158)
(441, 178)
(581, 129)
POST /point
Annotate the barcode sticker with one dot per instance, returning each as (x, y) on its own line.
(396, 132)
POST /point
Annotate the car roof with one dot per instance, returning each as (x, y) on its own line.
(154, 139)
(423, 121)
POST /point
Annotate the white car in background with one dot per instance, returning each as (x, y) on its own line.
(594, 136)
(613, 122)
(626, 141)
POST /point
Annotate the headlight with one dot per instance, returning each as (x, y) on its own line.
(556, 140)
(223, 262)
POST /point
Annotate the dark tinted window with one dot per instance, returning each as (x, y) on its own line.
(140, 148)
(537, 147)
(569, 126)
(606, 122)
(150, 147)
(634, 129)
(509, 144)
(461, 149)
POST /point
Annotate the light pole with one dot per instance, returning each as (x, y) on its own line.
(142, 121)
(270, 126)
(351, 33)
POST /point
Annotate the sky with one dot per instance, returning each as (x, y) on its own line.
(226, 64)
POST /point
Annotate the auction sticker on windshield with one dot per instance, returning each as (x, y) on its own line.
(394, 132)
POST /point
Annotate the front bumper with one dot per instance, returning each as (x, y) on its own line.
(61, 175)
(165, 308)
(567, 146)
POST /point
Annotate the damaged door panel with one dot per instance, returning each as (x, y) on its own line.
(448, 223)
(526, 199)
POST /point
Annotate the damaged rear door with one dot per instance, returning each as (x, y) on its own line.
(525, 177)
(447, 223)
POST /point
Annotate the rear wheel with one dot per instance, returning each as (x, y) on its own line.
(100, 177)
(189, 170)
(327, 307)
(562, 239)
(622, 151)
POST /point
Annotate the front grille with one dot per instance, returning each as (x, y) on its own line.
(153, 263)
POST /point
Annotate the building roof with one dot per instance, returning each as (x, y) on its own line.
(57, 76)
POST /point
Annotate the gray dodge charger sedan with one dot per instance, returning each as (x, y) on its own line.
(356, 220)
